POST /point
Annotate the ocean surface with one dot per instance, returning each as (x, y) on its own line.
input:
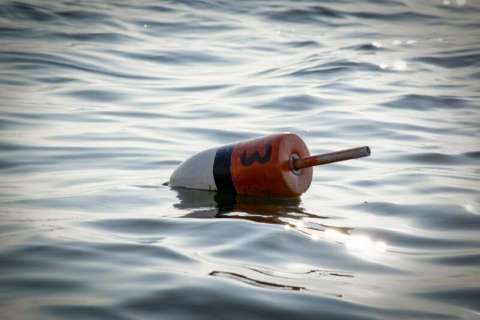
(101, 100)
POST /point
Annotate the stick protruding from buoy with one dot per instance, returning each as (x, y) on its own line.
(331, 157)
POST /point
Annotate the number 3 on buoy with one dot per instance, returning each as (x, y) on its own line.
(277, 165)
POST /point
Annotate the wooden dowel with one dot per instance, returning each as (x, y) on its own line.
(331, 157)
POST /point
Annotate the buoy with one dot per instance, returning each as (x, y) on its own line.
(276, 165)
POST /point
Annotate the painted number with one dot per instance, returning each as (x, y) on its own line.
(255, 156)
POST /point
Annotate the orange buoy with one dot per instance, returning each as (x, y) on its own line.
(275, 165)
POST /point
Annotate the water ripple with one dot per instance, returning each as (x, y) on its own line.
(452, 61)
(425, 102)
(35, 61)
(428, 216)
(101, 100)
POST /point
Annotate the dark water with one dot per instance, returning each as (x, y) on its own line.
(100, 101)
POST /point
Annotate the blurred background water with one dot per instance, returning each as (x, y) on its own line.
(101, 100)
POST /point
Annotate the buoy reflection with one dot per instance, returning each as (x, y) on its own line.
(202, 204)
(286, 212)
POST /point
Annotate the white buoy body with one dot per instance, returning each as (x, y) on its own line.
(196, 172)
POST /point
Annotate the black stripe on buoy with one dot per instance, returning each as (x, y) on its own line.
(221, 170)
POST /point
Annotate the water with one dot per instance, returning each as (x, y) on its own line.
(100, 101)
